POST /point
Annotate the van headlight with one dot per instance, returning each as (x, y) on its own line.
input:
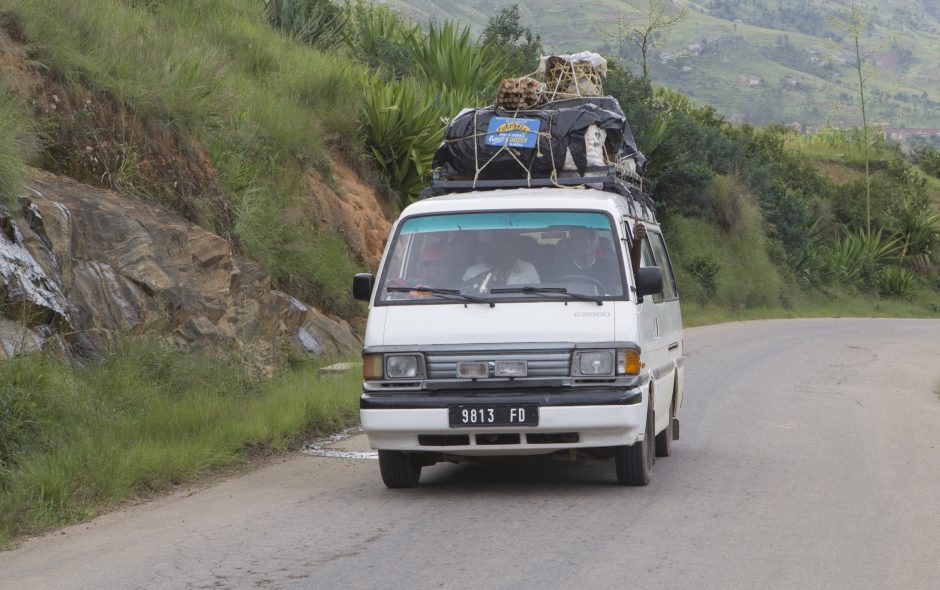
(402, 366)
(373, 367)
(594, 363)
(628, 362)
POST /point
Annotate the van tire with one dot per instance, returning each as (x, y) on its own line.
(398, 469)
(635, 462)
(664, 439)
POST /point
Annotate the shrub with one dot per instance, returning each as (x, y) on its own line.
(857, 256)
(705, 269)
(402, 121)
(918, 228)
(735, 272)
(896, 281)
(928, 159)
(896, 186)
(381, 38)
(446, 57)
(320, 23)
(735, 210)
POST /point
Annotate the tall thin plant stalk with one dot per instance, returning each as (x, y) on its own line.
(855, 22)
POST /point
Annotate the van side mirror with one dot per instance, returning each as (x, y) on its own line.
(649, 281)
(362, 286)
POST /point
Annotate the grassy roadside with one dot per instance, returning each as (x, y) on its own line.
(817, 304)
(16, 145)
(76, 442)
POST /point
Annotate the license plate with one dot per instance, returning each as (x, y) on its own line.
(494, 415)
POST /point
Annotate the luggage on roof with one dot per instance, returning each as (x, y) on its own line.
(559, 127)
(563, 137)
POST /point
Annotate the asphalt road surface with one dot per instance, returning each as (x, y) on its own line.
(809, 458)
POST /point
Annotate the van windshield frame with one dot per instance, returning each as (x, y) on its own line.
(484, 257)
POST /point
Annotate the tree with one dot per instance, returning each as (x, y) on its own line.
(520, 47)
(928, 159)
(646, 32)
(856, 22)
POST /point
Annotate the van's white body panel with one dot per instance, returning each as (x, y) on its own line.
(599, 426)
(654, 326)
(534, 321)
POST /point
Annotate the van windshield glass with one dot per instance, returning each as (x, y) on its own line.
(492, 255)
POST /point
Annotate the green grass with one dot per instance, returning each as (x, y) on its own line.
(847, 154)
(76, 442)
(267, 107)
(808, 303)
(15, 144)
(725, 271)
(734, 271)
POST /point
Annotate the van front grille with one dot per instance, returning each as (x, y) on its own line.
(539, 364)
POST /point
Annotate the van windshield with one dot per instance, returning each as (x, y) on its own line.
(503, 255)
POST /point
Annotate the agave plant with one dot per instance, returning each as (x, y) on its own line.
(858, 255)
(448, 58)
(315, 22)
(403, 123)
(896, 281)
(918, 231)
(649, 138)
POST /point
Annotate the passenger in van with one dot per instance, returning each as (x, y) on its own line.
(434, 266)
(584, 259)
(639, 233)
(434, 271)
(501, 265)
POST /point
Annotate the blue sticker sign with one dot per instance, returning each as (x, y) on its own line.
(513, 132)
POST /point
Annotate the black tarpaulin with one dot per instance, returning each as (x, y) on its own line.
(464, 152)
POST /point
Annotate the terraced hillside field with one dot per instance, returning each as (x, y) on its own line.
(757, 60)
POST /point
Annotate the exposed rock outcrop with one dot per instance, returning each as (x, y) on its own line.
(88, 264)
(353, 209)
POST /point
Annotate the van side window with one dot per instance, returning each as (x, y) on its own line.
(662, 260)
(646, 254)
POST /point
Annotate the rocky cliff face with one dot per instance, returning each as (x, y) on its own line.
(83, 265)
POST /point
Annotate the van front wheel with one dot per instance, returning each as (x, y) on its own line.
(398, 469)
(664, 438)
(635, 462)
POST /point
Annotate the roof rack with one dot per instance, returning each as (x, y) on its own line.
(640, 203)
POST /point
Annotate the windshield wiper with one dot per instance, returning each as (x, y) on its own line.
(530, 290)
(452, 293)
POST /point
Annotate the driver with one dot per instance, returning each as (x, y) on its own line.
(434, 268)
(586, 259)
(501, 266)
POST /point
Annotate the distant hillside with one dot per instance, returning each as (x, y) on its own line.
(757, 61)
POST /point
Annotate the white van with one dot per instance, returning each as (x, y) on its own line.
(510, 322)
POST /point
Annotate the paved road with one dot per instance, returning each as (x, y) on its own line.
(810, 458)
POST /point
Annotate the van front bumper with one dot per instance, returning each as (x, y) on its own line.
(567, 420)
